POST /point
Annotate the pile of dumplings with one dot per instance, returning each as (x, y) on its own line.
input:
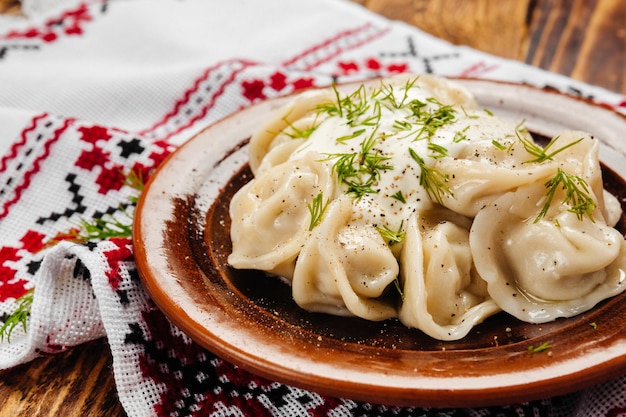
(404, 199)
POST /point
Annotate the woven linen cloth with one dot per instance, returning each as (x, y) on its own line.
(90, 91)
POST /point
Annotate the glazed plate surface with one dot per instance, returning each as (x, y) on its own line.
(181, 240)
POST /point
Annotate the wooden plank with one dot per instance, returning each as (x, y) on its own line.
(10, 6)
(78, 382)
(500, 30)
(583, 39)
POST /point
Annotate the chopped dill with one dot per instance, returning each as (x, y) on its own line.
(398, 196)
(460, 135)
(577, 195)
(19, 316)
(391, 98)
(438, 151)
(402, 125)
(431, 120)
(542, 347)
(317, 208)
(360, 170)
(355, 134)
(352, 107)
(540, 153)
(398, 286)
(391, 236)
(433, 180)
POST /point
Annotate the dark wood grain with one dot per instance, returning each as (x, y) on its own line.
(584, 39)
(498, 27)
(78, 382)
(10, 6)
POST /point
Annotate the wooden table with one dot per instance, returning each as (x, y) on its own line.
(584, 39)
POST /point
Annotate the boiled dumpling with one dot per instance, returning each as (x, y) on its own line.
(300, 113)
(345, 269)
(271, 215)
(538, 270)
(442, 294)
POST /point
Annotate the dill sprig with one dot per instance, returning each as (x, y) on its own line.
(390, 96)
(360, 170)
(433, 180)
(317, 208)
(402, 125)
(577, 195)
(135, 180)
(297, 133)
(332, 108)
(498, 145)
(355, 134)
(541, 154)
(460, 135)
(351, 107)
(107, 226)
(399, 196)
(87, 230)
(390, 236)
(437, 151)
(542, 347)
(430, 120)
(398, 286)
(19, 316)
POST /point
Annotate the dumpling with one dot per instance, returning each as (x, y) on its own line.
(271, 215)
(490, 161)
(300, 113)
(581, 158)
(473, 184)
(443, 296)
(546, 249)
(345, 269)
(539, 269)
(278, 154)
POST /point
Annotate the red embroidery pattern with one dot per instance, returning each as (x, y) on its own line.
(112, 175)
(115, 257)
(196, 102)
(21, 143)
(70, 23)
(257, 88)
(372, 66)
(478, 69)
(206, 90)
(10, 286)
(617, 412)
(335, 46)
(199, 384)
(34, 169)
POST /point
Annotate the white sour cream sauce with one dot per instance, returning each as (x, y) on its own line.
(381, 209)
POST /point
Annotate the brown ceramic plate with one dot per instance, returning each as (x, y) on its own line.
(181, 241)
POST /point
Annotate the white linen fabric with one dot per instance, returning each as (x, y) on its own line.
(90, 90)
